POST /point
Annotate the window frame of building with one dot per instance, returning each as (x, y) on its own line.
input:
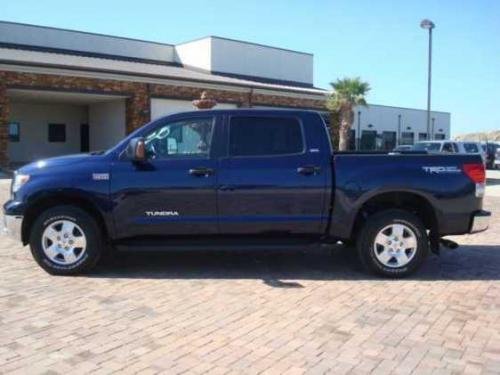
(422, 137)
(54, 136)
(273, 121)
(14, 136)
(439, 136)
(403, 139)
(179, 138)
(392, 141)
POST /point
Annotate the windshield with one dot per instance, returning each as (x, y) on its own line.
(426, 146)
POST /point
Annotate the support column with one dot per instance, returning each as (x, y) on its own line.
(138, 109)
(4, 121)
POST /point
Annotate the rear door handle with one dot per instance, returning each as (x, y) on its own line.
(308, 170)
(201, 172)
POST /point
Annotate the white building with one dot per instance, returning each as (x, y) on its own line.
(64, 91)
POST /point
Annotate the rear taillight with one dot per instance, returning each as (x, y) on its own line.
(477, 174)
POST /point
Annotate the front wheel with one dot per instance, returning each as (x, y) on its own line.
(393, 243)
(65, 240)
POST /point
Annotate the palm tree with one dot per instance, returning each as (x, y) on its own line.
(347, 93)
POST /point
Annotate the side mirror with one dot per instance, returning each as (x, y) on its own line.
(136, 149)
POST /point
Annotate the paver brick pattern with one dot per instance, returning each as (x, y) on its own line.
(254, 312)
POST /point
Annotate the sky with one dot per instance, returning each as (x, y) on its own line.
(380, 41)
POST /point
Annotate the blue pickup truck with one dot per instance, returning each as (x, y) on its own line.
(229, 179)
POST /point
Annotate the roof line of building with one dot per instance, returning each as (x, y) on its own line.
(153, 42)
(24, 47)
(87, 33)
(418, 109)
(245, 42)
(248, 85)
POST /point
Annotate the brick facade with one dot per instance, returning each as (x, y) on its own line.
(138, 97)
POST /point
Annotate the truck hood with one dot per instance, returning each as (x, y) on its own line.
(45, 165)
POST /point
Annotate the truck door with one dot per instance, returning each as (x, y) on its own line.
(269, 182)
(174, 192)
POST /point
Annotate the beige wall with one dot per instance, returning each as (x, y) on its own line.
(34, 120)
(106, 124)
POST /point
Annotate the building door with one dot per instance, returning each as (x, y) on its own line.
(368, 140)
(84, 138)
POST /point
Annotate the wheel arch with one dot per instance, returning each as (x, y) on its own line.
(410, 201)
(55, 199)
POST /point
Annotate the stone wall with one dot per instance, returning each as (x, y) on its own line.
(138, 97)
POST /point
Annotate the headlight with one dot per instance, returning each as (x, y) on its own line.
(19, 180)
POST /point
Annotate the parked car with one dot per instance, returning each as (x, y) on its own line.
(232, 179)
(497, 159)
(451, 147)
(491, 153)
(402, 148)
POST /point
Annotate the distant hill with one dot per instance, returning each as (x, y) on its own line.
(493, 136)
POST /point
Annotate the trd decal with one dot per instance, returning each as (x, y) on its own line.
(439, 169)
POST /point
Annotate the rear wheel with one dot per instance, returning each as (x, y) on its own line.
(65, 240)
(393, 243)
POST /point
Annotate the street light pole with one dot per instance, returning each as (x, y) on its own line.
(429, 25)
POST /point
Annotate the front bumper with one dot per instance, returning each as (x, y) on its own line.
(480, 221)
(12, 226)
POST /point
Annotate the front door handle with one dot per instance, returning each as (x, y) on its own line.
(308, 170)
(201, 172)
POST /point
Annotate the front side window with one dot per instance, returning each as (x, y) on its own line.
(14, 132)
(184, 138)
(57, 132)
(471, 148)
(261, 136)
(448, 147)
(427, 146)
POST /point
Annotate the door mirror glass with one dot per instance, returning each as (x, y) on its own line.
(136, 150)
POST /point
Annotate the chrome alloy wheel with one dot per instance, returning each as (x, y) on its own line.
(64, 242)
(395, 245)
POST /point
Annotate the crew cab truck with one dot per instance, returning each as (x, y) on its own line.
(228, 179)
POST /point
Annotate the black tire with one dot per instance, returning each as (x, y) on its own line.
(90, 228)
(373, 225)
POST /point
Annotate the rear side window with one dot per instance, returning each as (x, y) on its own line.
(259, 136)
(471, 148)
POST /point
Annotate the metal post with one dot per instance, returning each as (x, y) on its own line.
(429, 25)
(359, 131)
(429, 86)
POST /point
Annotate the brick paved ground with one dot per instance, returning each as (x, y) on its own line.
(223, 313)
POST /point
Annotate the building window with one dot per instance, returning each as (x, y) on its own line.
(388, 141)
(439, 136)
(368, 140)
(422, 136)
(57, 132)
(407, 138)
(14, 132)
(263, 136)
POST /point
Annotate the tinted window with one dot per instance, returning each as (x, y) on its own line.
(471, 148)
(250, 136)
(57, 132)
(427, 146)
(14, 132)
(183, 138)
